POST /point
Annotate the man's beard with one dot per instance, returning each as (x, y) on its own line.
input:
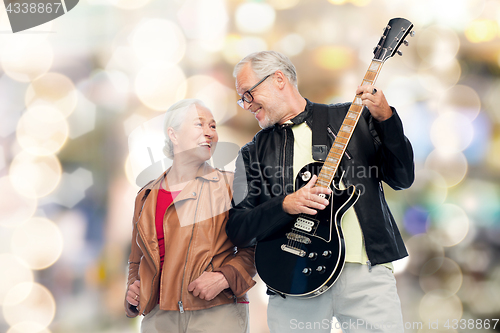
(271, 118)
(266, 122)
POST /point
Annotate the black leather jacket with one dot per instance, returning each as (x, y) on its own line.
(377, 151)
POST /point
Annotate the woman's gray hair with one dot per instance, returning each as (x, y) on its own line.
(267, 62)
(174, 117)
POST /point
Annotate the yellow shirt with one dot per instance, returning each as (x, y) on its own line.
(354, 244)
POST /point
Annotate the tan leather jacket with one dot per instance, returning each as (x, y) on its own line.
(195, 242)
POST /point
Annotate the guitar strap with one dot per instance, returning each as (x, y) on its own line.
(319, 132)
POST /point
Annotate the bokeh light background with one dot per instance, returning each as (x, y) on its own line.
(74, 89)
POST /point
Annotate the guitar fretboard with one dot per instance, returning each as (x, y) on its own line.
(339, 146)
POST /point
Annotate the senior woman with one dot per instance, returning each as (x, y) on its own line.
(185, 275)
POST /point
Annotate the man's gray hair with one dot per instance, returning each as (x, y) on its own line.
(267, 62)
(174, 117)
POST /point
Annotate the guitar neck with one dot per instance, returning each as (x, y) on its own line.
(339, 146)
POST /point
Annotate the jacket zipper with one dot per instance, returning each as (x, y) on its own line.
(149, 255)
(284, 153)
(181, 306)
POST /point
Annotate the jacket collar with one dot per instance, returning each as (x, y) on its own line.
(303, 116)
(190, 192)
(205, 171)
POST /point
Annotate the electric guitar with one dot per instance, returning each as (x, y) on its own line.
(305, 259)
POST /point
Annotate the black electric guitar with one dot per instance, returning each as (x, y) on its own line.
(306, 258)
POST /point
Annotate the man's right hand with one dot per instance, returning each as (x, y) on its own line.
(134, 292)
(307, 199)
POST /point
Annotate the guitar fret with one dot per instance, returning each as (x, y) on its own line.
(366, 83)
(349, 122)
(355, 108)
(370, 76)
(343, 140)
(322, 176)
(357, 101)
(329, 169)
(323, 179)
(345, 135)
(339, 145)
(332, 160)
(375, 65)
(323, 183)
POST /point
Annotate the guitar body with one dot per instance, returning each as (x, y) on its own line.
(306, 258)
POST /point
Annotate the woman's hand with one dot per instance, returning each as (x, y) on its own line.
(134, 292)
(208, 285)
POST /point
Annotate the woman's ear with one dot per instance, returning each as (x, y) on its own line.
(172, 135)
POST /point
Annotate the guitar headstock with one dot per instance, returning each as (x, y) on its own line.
(394, 35)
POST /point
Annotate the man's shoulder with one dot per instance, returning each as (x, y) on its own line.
(261, 135)
(334, 106)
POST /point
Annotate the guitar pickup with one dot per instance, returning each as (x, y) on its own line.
(298, 238)
(304, 224)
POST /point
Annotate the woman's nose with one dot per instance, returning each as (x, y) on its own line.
(209, 132)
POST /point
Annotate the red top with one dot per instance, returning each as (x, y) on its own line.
(165, 198)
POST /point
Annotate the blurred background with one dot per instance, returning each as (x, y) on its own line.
(79, 97)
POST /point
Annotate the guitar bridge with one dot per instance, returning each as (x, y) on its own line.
(298, 238)
(293, 250)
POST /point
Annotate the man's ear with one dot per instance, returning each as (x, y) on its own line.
(281, 79)
(172, 135)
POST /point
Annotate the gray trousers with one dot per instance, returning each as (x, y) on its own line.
(361, 301)
(228, 318)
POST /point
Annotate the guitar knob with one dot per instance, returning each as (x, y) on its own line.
(321, 269)
(313, 256)
(406, 43)
(306, 176)
(400, 53)
(412, 33)
(327, 254)
(307, 271)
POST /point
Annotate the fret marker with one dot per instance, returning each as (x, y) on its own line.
(351, 115)
(346, 128)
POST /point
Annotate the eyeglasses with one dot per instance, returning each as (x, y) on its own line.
(247, 96)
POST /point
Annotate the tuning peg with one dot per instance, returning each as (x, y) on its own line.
(399, 53)
(406, 43)
(412, 33)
